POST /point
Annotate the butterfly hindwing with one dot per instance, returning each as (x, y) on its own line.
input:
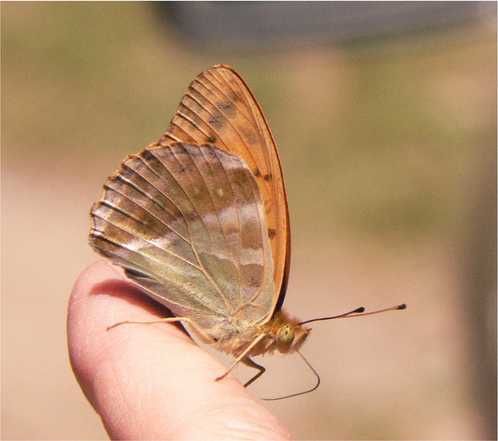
(187, 223)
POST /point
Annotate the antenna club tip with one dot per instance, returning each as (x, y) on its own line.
(359, 310)
(402, 306)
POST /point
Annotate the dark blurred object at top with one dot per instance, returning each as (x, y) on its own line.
(251, 24)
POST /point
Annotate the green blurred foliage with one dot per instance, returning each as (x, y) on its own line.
(382, 135)
(382, 141)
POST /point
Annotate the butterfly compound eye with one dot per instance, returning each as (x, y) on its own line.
(285, 335)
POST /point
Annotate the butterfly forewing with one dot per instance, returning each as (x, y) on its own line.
(218, 108)
(186, 222)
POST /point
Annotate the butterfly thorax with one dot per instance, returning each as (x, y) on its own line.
(281, 333)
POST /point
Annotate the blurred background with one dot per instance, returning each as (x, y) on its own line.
(385, 116)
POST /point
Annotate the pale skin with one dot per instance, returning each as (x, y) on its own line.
(153, 382)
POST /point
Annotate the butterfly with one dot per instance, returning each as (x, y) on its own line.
(199, 220)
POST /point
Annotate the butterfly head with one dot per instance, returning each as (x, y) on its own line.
(290, 337)
(287, 334)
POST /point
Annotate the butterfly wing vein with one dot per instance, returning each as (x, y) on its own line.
(186, 222)
(218, 108)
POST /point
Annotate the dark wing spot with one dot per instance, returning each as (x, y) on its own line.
(249, 135)
(227, 107)
(233, 96)
(211, 139)
(216, 121)
(271, 233)
(267, 177)
(257, 173)
(147, 155)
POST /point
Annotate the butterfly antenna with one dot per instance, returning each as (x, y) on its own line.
(358, 312)
(354, 311)
(315, 387)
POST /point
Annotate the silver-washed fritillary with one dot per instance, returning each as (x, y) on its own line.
(199, 220)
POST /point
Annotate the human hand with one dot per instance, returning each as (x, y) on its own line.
(152, 382)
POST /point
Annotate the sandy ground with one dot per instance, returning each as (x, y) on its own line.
(376, 372)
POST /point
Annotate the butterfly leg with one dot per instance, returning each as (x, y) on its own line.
(205, 337)
(251, 363)
(242, 356)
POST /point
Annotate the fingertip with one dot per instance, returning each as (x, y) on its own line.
(150, 381)
(100, 297)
